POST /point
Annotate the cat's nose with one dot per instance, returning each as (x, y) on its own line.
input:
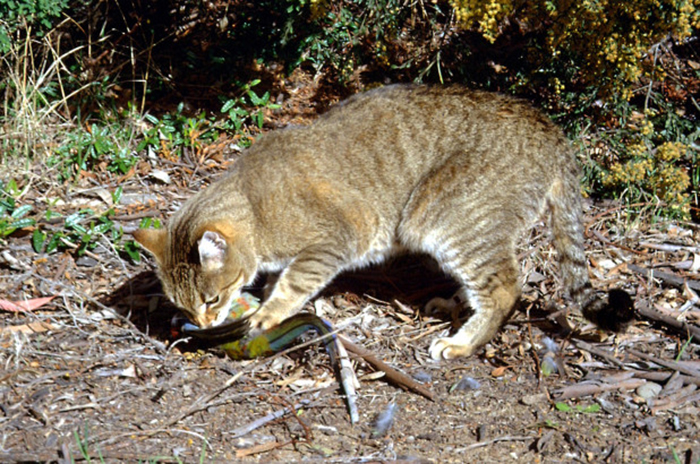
(205, 320)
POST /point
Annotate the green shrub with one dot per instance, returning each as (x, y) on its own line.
(12, 216)
(347, 35)
(97, 146)
(174, 132)
(653, 153)
(19, 17)
(599, 62)
(579, 44)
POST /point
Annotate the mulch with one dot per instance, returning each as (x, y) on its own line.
(95, 373)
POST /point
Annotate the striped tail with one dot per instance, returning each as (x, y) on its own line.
(612, 311)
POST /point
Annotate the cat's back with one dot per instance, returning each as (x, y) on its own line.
(411, 125)
(384, 141)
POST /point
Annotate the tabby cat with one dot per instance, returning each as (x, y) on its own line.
(447, 171)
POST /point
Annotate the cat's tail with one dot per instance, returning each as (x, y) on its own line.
(611, 311)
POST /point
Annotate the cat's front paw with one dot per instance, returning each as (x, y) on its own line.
(449, 348)
(264, 320)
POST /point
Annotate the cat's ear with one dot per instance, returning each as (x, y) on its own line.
(212, 250)
(152, 240)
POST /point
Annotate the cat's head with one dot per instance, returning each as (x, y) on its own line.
(201, 276)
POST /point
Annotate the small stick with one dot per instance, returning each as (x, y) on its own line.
(491, 442)
(598, 352)
(135, 331)
(348, 380)
(665, 404)
(679, 326)
(398, 378)
(261, 448)
(607, 241)
(434, 328)
(668, 247)
(665, 377)
(665, 276)
(585, 389)
(256, 424)
(667, 364)
(203, 402)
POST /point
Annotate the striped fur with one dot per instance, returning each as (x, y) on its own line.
(455, 173)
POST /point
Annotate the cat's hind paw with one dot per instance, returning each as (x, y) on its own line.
(449, 348)
(447, 307)
(438, 306)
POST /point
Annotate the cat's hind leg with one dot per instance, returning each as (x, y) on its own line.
(469, 220)
(491, 292)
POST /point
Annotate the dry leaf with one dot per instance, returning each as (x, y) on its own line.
(32, 327)
(26, 305)
(499, 371)
(696, 263)
(160, 175)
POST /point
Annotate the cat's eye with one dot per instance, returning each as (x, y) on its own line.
(213, 301)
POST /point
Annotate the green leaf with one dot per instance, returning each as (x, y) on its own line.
(562, 407)
(51, 214)
(22, 223)
(592, 408)
(117, 195)
(12, 188)
(38, 239)
(254, 99)
(21, 211)
(131, 248)
(102, 228)
(73, 221)
(550, 424)
(227, 106)
(53, 242)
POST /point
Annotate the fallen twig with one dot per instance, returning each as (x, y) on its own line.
(492, 441)
(665, 276)
(657, 376)
(256, 424)
(135, 331)
(673, 401)
(667, 364)
(100, 456)
(435, 328)
(668, 247)
(397, 378)
(262, 448)
(679, 326)
(607, 241)
(348, 380)
(592, 387)
(598, 352)
(203, 402)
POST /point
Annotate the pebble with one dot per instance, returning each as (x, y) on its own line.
(422, 377)
(327, 429)
(649, 390)
(86, 261)
(538, 398)
(252, 440)
(676, 423)
(466, 383)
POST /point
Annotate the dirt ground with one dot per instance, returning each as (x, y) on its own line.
(96, 376)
